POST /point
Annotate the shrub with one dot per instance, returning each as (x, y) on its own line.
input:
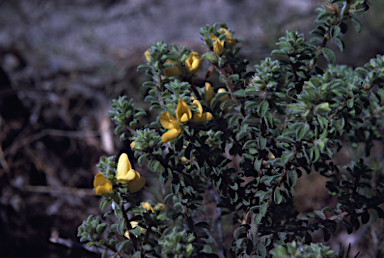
(243, 140)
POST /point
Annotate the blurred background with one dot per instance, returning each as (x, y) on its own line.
(61, 64)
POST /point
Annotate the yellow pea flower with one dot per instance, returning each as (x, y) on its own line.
(146, 54)
(132, 145)
(172, 71)
(218, 47)
(129, 176)
(209, 93)
(102, 185)
(160, 206)
(224, 98)
(149, 207)
(230, 42)
(270, 156)
(183, 113)
(168, 121)
(193, 62)
(199, 116)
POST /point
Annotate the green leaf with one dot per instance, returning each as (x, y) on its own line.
(240, 232)
(339, 43)
(168, 197)
(104, 204)
(233, 77)
(335, 31)
(350, 103)
(121, 246)
(240, 93)
(262, 142)
(278, 52)
(286, 157)
(292, 177)
(121, 227)
(263, 108)
(301, 131)
(329, 55)
(356, 24)
(257, 164)
(141, 67)
(261, 249)
(202, 224)
(326, 234)
(322, 121)
(90, 244)
(320, 214)
(277, 196)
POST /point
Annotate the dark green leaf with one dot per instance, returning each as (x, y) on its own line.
(262, 142)
(356, 24)
(329, 55)
(121, 246)
(301, 131)
(202, 224)
(277, 196)
(292, 177)
(278, 52)
(365, 217)
(354, 221)
(168, 197)
(263, 108)
(335, 31)
(327, 235)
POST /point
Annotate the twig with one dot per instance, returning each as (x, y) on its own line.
(58, 189)
(52, 132)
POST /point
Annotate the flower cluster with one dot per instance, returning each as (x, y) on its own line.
(125, 174)
(183, 115)
(219, 46)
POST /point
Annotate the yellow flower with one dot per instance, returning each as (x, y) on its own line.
(147, 206)
(168, 121)
(102, 185)
(199, 116)
(172, 71)
(193, 62)
(230, 42)
(224, 98)
(270, 156)
(218, 47)
(146, 54)
(184, 159)
(132, 145)
(159, 206)
(129, 176)
(209, 93)
(183, 113)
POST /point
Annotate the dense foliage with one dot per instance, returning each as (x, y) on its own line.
(243, 139)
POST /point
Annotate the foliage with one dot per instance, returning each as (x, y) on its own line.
(253, 135)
